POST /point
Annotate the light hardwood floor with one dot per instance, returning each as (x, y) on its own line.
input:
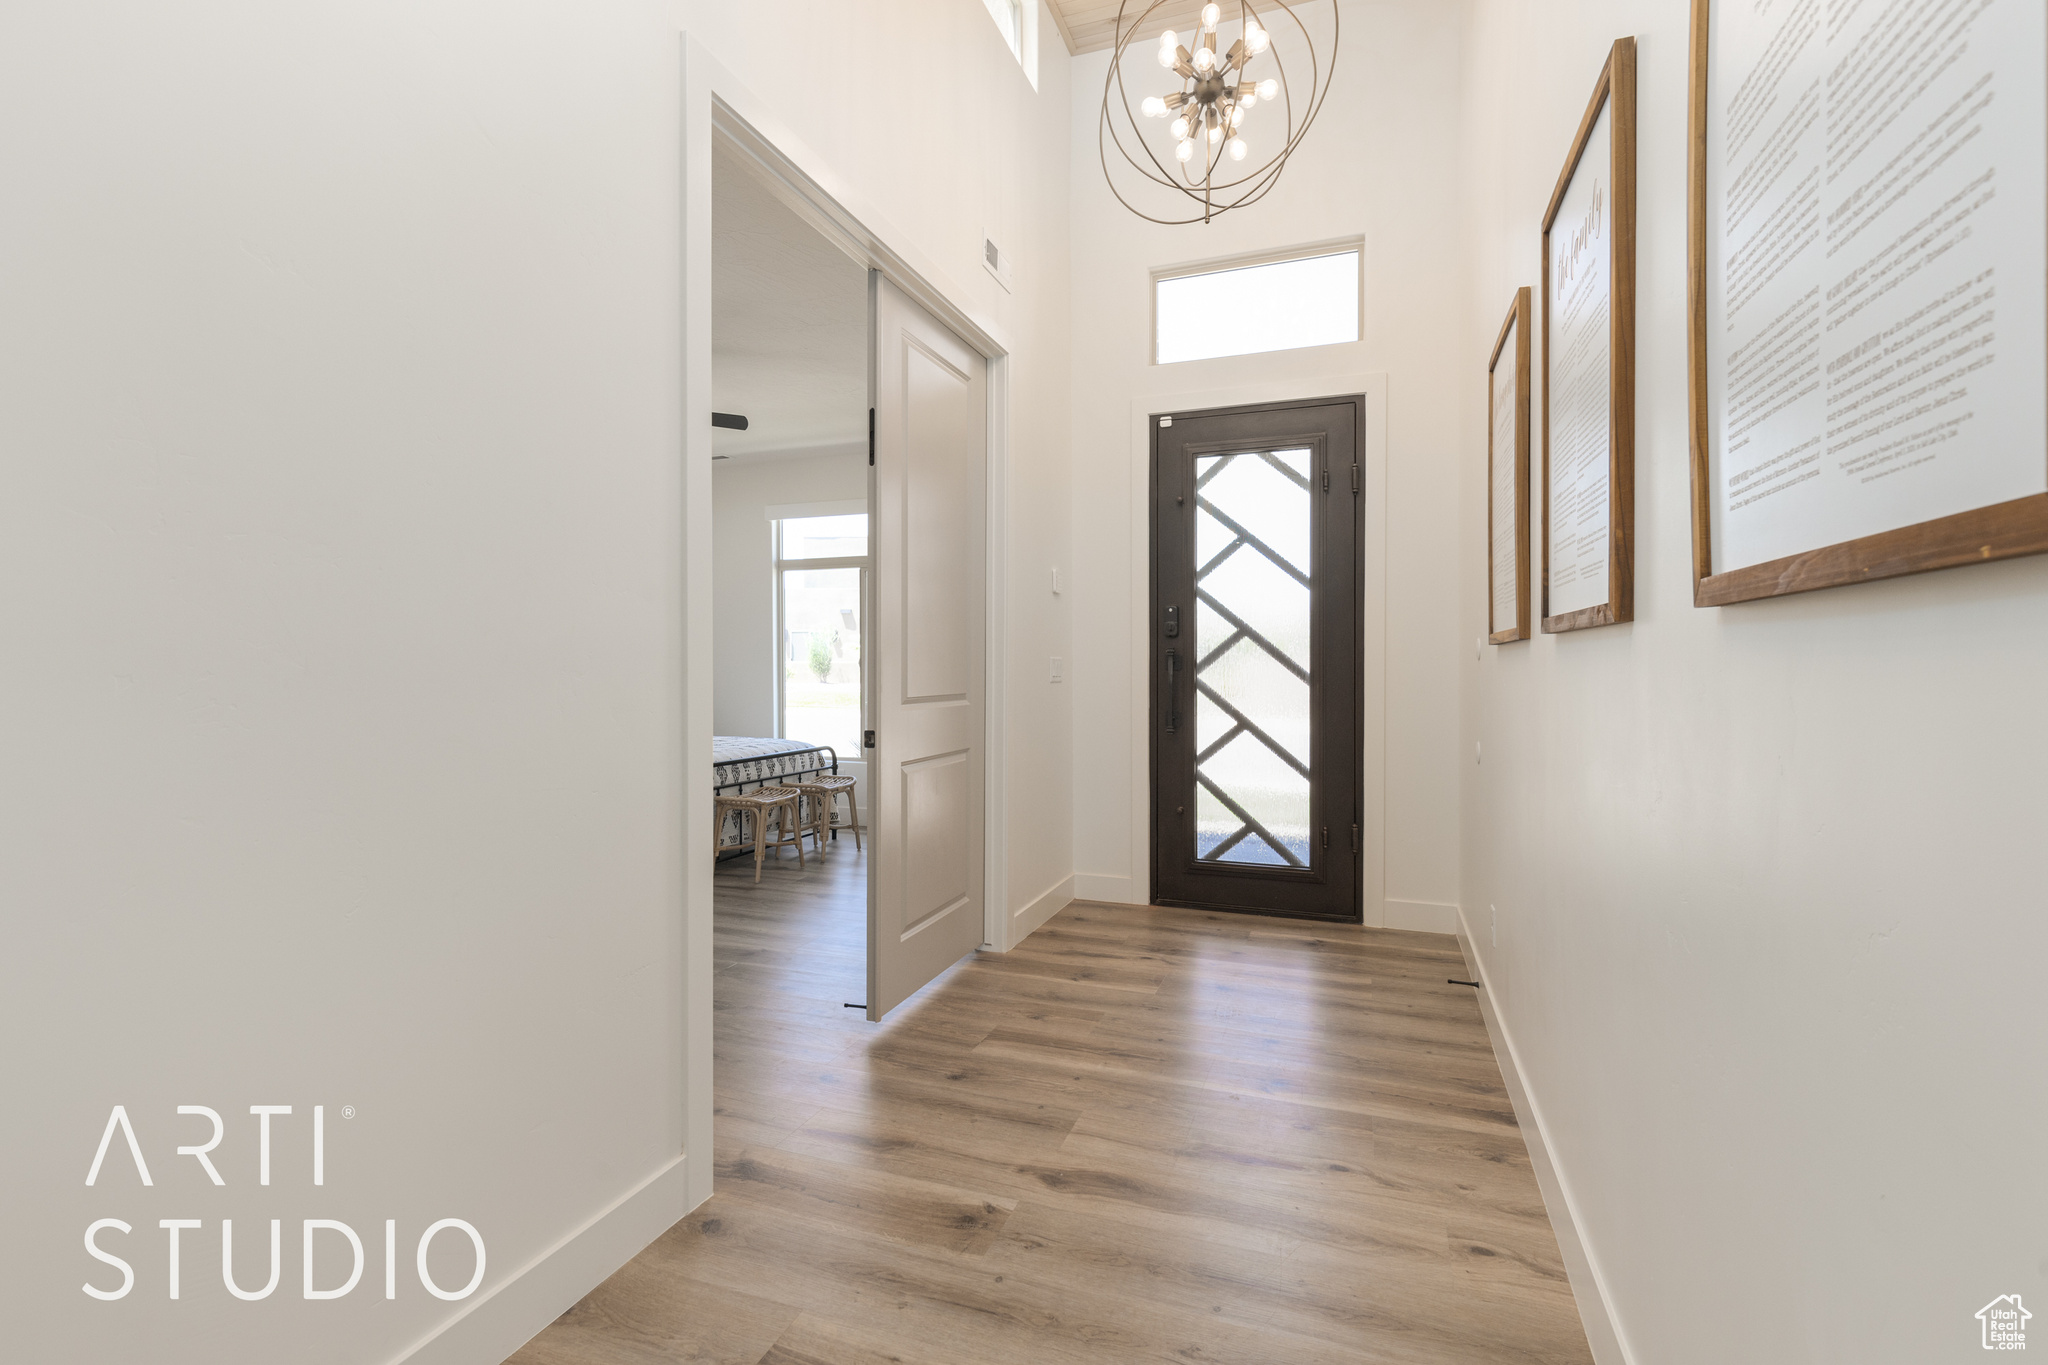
(1143, 1135)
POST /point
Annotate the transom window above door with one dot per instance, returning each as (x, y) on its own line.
(1309, 296)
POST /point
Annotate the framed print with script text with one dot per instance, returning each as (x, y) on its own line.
(1589, 363)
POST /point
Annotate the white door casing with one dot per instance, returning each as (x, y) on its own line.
(928, 494)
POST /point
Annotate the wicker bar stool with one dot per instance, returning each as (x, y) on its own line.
(764, 804)
(825, 792)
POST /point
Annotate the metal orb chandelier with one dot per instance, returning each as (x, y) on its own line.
(1209, 117)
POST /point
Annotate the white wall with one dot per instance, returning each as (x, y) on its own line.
(340, 546)
(1381, 162)
(1767, 877)
(743, 571)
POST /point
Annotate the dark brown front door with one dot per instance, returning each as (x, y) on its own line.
(1256, 761)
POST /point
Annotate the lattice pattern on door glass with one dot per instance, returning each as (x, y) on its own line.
(1252, 593)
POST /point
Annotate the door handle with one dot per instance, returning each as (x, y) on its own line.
(1172, 691)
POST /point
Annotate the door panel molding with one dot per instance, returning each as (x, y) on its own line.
(935, 669)
(920, 346)
(958, 903)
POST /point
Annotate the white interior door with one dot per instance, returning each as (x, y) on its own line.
(928, 492)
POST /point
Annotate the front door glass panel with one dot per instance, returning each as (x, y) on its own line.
(1253, 574)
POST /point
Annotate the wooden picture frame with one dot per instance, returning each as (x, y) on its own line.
(1614, 95)
(1511, 464)
(1997, 530)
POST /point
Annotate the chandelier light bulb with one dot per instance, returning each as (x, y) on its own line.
(1180, 130)
(1168, 56)
(1216, 132)
(1238, 149)
(1205, 60)
(1154, 107)
(1185, 151)
(1236, 117)
(1269, 88)
(1256, 39)
(1212, 14)
(1248, 99)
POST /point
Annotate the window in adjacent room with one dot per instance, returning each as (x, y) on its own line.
(821, 573)
(1306, 297)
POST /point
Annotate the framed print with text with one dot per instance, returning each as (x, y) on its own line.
(1867, 293)
(1507, 477)
(1589, 363)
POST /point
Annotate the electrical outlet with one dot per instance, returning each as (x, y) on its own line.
(1055, 581)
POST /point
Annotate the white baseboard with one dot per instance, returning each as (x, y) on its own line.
(511, 1313)
(1596, 1306)
(1431, 917)
(1039, 909)
(1098, 886)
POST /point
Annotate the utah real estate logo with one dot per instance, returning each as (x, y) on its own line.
(2005, 1323)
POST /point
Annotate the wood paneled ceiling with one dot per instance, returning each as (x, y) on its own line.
(1090, 25)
